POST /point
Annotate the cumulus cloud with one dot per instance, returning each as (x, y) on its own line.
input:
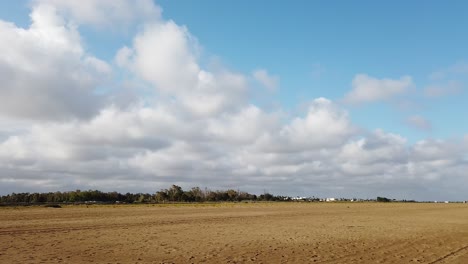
(152, 146)
(196, 127)
(369, 89)
(166, 55)
(122, 57)
(264, 78)
(46, 72)
(378, 147)
(325, 125)
(243, 127)
(163, 55)
(419, 122)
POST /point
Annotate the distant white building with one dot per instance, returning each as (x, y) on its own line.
(298, 198)
(330, 199)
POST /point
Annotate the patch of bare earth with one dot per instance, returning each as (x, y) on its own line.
(237, 233)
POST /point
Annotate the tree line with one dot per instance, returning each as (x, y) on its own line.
(173, 194)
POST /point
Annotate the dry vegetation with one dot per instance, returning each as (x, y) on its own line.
(237, 233)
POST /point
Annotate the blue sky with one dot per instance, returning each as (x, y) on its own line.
(392, 74)
(340, 39)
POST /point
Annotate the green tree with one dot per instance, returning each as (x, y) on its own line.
(176, 194)
(383, 199)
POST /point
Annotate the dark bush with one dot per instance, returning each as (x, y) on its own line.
(53, 205)
(383, 199)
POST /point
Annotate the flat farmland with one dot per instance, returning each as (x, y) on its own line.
(236, 233)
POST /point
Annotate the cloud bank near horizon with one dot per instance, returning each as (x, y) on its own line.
(171, 120)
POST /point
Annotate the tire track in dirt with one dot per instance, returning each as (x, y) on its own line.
(450, 256)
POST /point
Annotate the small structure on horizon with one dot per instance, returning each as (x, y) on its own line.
(299, 198)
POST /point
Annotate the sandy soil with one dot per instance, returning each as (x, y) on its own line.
(237, 233)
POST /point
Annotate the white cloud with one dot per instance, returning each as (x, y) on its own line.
(197, 126)
(123, 56)
(378, 147)
(426, 150)
(268, 81)
(419, 122)
(166, 55)
(243, 127)
(325, 125)
(157, 145)
(163, 55)
(47, 73)
(369, 89)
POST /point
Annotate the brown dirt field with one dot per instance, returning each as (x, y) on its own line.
(237, 233)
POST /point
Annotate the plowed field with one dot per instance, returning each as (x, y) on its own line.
(237, 233)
